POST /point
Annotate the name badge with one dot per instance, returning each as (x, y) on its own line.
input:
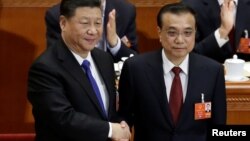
(202, 110)
(244, 45)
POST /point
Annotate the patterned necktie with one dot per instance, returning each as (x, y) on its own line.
(92, 81)
(176, 95)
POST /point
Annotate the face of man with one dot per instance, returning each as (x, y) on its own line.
(82, 31)
(177, 35)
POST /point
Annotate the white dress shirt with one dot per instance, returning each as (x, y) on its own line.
(169, 75)
(97, 77)
(100, 83)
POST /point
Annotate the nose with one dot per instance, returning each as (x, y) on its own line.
(92, 30)
(179, 38)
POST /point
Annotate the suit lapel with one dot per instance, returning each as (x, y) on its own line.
(101, 64)
(71, 65)
(156, 77)
(195, 76)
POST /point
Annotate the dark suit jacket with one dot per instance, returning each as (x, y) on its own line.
(125, 25)
(64, 104)
(208, 20)
(144, 104)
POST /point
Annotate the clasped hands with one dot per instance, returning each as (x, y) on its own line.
(120, 131)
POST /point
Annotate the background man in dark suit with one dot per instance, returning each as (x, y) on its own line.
(215, 20)
(146, 81)
(67, 106)
(120, 43)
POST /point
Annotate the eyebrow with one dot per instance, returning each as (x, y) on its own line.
(173, 28)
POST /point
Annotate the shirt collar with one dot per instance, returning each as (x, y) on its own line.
(80, 59)
(168, 65)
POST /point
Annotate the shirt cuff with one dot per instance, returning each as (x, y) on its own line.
(110, 131)
(114, 50)
(220, 41)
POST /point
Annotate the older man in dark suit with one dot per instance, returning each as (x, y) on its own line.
(71, 86)
(119, 43)
(159, 91)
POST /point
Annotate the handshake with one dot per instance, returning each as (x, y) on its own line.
(120, 131)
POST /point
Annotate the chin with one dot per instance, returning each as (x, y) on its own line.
(181, 54)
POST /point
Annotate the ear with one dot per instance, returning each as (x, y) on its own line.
(62, 22)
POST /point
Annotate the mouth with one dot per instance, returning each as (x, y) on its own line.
(179, 48)
(91, 41)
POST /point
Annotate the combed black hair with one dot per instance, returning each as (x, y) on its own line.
(174, 8)
(68, 7)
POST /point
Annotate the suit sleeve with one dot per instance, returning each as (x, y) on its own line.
(208, 46)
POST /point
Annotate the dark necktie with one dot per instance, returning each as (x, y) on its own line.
(92, 81)
(231, 34)
(232, 39)
(176, 95)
